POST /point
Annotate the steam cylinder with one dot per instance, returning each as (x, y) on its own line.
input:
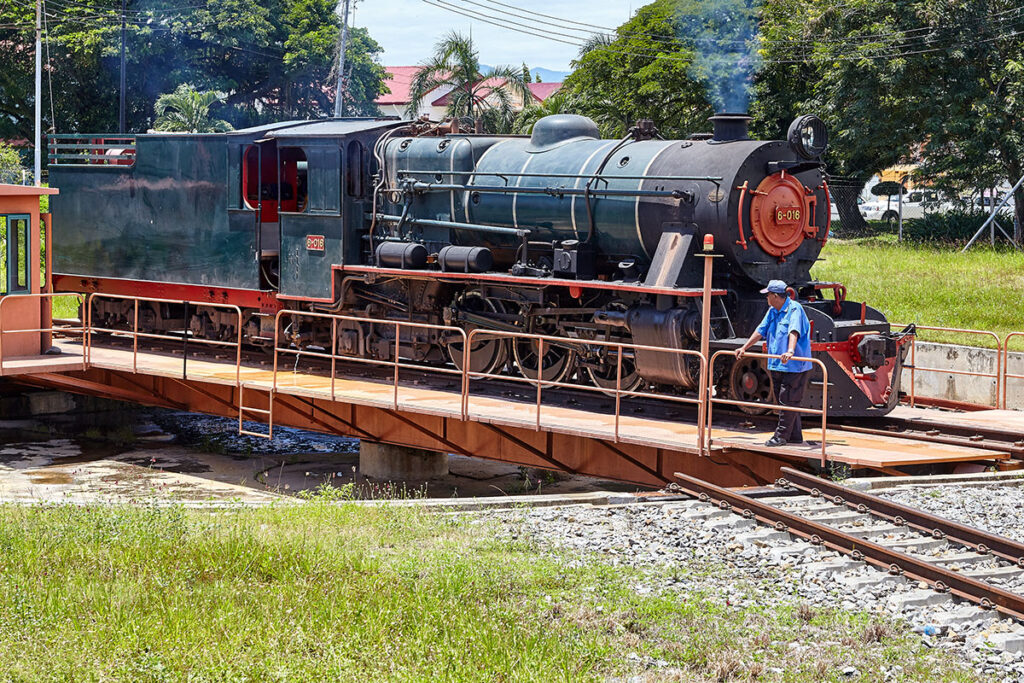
(625, 226)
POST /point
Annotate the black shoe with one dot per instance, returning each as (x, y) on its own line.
(774, 442)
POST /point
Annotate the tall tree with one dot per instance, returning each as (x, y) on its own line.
(645, 71)
(490, 99)
(908, 80)
(273, 59)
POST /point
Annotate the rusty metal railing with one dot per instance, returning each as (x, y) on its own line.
(618, 392)
(711, 400)
(1007, 375)
(998, 375)
(82, 329)
(394, 362)
(136, 334)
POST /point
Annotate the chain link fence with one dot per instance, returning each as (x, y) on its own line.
(15, 176)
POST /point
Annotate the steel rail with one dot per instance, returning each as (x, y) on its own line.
(979, 540)
(938, 435)
(940, 578)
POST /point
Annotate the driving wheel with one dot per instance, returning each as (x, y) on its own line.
(749, 380)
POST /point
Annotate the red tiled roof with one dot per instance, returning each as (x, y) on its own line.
(487, 83)
(542, 91)
(399, 82)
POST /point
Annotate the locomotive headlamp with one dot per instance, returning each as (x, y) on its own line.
(808, 136)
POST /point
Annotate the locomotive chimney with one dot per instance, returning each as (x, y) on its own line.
(730, 127)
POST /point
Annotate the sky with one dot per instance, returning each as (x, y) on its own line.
(408, 29)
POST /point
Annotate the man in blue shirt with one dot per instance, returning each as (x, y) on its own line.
(787, 331)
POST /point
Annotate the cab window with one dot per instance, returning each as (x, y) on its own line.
(275, 180)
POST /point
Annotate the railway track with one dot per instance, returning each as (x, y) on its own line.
(981, 568)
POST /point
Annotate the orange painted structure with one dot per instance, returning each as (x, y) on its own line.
(21, 225)
(635, 436)
(612, 434)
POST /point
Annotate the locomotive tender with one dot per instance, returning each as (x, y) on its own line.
(559, 233)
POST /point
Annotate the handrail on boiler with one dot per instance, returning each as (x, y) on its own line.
(776, 406)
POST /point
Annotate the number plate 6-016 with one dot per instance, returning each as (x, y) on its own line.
(315, 242)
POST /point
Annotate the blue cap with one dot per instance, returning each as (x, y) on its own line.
(775, 287)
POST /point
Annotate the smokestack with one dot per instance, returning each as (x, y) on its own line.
(730, 127)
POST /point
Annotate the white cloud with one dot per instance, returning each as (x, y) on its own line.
(408, 29)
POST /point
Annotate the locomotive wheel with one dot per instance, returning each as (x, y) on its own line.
(485, 355)
(749, 380)
(557, 363)
(603, 376)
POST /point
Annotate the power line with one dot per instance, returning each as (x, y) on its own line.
(894, 50)
(856, 41)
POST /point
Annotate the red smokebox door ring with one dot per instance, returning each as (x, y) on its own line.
(781, 213)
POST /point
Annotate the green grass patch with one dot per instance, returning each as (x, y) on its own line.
(342, 592)
(65, 307)
(932, 285)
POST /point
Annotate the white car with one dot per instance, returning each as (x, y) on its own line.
(916, 204)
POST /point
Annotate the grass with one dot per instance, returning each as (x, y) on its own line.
(339, 592)
(931, 285)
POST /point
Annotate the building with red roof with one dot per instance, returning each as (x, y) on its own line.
(399, 82)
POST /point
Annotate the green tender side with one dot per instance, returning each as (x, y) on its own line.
(164, 219)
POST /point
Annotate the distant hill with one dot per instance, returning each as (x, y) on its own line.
(546, 75)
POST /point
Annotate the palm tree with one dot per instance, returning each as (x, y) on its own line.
(187, 110)
(456, 63)
(560, 102)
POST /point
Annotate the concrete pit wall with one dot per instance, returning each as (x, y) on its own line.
(965, 388)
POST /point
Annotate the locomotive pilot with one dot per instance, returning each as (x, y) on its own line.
(787, 331)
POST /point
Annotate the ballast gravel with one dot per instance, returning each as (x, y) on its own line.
(998, 509)
(723, 555)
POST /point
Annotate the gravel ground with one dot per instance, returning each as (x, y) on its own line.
(997, 508)
(692, 547)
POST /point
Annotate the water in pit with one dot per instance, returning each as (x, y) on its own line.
(146, 455)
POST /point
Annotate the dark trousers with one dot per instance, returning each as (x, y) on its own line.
(789, 391)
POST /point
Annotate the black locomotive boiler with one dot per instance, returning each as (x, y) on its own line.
(559, 233)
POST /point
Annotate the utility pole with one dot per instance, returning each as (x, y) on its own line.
(120, 111)
(340, 96)
(39, 94)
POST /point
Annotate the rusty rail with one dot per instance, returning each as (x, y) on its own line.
(873, 553)
(618, 392)
(395, 362)
(83, 329)
(902, 515)
(998, 375)
(711, 400)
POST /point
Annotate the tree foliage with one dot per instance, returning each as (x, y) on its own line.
(10, 164)
(456, 64)
(561, 102)
(633, 75)
(927, 81)
(187, 110)
(272, 58)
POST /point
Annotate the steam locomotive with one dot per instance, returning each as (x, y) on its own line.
(559, 233)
